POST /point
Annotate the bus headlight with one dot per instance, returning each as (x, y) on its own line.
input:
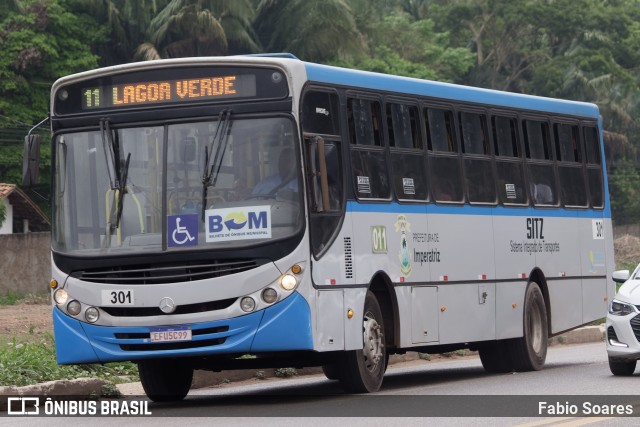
(92, 314)
(288, 282)
(269, 295)
(247, 304)
(60, 296)
(73, 307)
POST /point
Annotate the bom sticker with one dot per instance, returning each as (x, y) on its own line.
(242, 223)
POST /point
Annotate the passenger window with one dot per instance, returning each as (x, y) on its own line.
(320, 113)
(509, 166)
(574, 192)
(592, 143)
(567, 143)
(505, 135)
(473, 129)
(409, 176)
(370, 174)
(543, 184)
(536, 138)
(594, 166)
(594, 175)
(446, 179)
(440, 136)
(402, 121)
(364, 122)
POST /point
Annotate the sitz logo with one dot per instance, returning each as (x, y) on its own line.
(250, 222)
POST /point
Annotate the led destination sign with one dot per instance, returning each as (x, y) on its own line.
(158, 87)
(169, 91)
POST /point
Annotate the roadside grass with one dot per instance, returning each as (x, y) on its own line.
(14, 298)
(32, 362)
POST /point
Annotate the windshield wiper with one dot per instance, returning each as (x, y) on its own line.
(118, 171)
(212, 168)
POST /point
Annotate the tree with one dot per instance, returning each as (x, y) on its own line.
(124, 22)
(313, 30)
(39, 46)
(199, 28)
(624, 184)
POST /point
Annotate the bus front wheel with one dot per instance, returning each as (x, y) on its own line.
(530, 352)
(165, 380)
(364, 369)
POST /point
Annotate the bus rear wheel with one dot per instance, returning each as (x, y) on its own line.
(530, 352)
(495, 357)
(364, 369)
(165, 380)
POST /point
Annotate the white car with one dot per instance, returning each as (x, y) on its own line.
(623, 324)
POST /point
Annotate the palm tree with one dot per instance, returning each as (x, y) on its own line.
(199, 28)
(125, 20)
(314, 30)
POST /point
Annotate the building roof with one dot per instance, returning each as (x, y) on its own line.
(24, 207)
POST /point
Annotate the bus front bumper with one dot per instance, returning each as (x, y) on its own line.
(285, 326)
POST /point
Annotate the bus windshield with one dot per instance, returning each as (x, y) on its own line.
(220, 183)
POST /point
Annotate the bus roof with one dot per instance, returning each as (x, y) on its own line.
(367, 80)
(445, 91)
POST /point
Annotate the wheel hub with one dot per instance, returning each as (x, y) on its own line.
(373, 350)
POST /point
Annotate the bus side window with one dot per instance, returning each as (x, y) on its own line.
(542, 181)
(509, 167)
(478, 167)
(408, 167)
(569, 154)
(594, 166)
(368, 164)
(445, 172)
(320, 113)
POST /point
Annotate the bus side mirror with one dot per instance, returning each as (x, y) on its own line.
(31, 160)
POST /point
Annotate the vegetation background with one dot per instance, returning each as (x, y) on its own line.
(584, 50)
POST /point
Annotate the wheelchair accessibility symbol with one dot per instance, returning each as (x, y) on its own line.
(182, 230)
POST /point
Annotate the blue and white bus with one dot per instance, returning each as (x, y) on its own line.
(210, 208)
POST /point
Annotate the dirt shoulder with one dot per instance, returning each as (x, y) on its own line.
(25, 322)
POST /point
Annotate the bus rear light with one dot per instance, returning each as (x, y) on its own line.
(247, 304)
(73, 308)
(60, 296)
(92, 315)
(269, 295)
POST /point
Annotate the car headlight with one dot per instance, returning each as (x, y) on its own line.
(619, 308)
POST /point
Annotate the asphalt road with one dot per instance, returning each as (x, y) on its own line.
(457, 392)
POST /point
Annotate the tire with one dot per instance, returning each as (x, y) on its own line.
(331, 371)
(165, 380)
(363, 370)
(530, 352)
(495, 357)
(622, 367)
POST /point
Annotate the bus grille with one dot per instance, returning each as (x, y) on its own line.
(635, 325)
(172, 345)
(181, 309)
(151, 274)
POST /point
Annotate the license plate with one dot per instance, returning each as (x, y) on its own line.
(170, 334)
